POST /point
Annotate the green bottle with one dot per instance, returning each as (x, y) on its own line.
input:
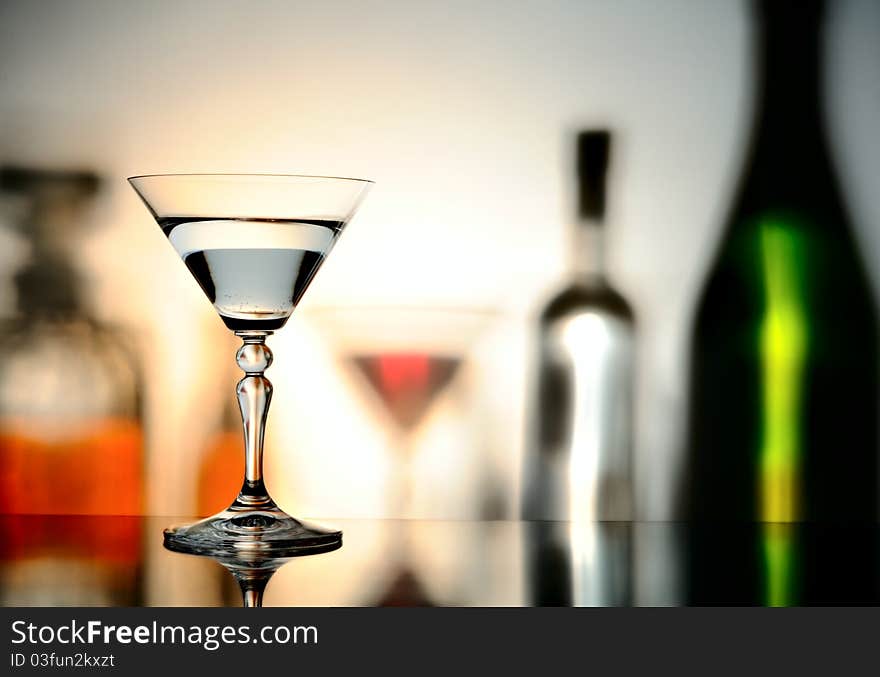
(782, 431)
(782, 420)
(782, 436)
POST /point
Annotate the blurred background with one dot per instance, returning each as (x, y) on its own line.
(465, 115)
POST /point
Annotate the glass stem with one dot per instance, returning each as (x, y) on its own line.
(254, 395)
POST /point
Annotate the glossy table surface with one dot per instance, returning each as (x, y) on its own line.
(71, 560)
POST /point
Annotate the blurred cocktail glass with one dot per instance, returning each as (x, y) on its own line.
(405, 359)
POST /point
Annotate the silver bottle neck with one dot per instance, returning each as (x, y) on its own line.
(588, 250)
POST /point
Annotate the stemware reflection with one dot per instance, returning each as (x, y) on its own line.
(250, 570)
(252, 576)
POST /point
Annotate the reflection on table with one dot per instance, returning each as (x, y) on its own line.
(51, 560)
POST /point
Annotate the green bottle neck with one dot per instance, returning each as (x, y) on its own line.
(788, 166)
(788, 126)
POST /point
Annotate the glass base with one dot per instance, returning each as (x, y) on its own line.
(244, 534)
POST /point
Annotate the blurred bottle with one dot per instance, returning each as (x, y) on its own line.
(783, 423)
(579, 465)
(783, 401)
(70, 429)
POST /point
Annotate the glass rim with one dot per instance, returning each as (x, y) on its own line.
(257, 175)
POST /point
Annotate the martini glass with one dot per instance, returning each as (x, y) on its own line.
(254, 244)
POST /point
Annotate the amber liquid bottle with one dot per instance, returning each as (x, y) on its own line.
(71, 440)
(783, 383)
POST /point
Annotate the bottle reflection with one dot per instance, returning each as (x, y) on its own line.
(58, 560)
(658, 554)
(781, 564)
(579, 563)
(549, 570)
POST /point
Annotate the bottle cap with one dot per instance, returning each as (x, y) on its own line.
(593, 150)
(48, 283)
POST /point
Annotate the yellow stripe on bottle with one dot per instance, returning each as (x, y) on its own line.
(783, 340)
